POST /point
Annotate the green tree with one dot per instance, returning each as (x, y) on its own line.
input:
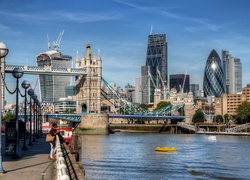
(218, 118)
(198, 116)
(144, 106)
(243, 112)
(226, 117)
(8, 117)
(162, 104)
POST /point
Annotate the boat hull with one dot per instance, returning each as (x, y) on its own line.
(165, 149)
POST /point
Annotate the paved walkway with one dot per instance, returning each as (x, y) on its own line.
(34, 164)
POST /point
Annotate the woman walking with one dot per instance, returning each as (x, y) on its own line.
(53, 131)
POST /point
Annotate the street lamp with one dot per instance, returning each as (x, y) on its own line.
(25, 85)
(36, 106)
(3, 52)
(34, 97)
(30, 93)
(17, 73)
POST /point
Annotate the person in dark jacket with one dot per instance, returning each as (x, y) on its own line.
(53, 131)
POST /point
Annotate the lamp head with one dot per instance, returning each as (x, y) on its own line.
(31, 92)
(3, 50)
(25, 84)
(17, 72)
(34, 97)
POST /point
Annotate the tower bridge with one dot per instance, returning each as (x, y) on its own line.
(88, 73)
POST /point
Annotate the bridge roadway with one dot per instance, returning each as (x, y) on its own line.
(36, 70)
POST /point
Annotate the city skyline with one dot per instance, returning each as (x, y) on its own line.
(120, 30)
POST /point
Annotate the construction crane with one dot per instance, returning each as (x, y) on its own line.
(165, 90)
(35, 84)
(48, 42)
(57, 43)
(183, 84)
(157, 89)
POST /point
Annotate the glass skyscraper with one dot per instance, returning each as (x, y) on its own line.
(214, 81)
(156, 59)
(53, 87)
(233, 73)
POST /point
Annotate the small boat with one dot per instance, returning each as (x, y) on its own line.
(165, 149)
(67, 135)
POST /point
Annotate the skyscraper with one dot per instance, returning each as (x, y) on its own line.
(180, 82)
(53, 87)
(213, 81)
(156, 67)
(233, 73)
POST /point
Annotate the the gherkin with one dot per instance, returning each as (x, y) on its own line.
(213, 82)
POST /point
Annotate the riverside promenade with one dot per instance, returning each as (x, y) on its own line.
(34, 164)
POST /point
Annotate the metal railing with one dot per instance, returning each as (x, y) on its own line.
(239, 128)
(60, 162)
(190, 127)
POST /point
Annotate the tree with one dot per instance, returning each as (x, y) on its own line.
(243, 112)
(226, 117)
(8, 117)
(218, 118)
(198, 116)
(162, 104)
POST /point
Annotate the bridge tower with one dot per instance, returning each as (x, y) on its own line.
(88, 94)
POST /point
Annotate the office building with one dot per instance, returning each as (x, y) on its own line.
(194, 88)
(213, 80)
(233, 73)
(228, 103)
(180, 82)
(155, 72)
(70, 91)
(53, 87)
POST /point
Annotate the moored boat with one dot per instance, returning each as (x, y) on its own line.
(165, 149)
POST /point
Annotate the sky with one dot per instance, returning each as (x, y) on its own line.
(120, 29)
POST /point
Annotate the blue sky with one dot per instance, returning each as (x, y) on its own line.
(120, 28)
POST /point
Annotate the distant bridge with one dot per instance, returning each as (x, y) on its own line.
(126, 116)
(36, 70)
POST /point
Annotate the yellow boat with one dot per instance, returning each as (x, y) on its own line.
(165, 149)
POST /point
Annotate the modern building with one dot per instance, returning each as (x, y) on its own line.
(65, 106)
(53, 87)
(194, 88)
(130, 92)
(70, 91)
(233, 73)
(213, 80)
(155, 71)
(228, 103)
(180, 82)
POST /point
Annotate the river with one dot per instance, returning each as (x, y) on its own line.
(132, 156)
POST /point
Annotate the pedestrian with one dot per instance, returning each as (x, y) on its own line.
(53, 131)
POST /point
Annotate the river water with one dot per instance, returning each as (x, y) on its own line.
(132, 156)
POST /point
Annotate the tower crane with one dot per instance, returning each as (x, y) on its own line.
(57, 43)
(183, 84)
(157, 90)
(165, 90)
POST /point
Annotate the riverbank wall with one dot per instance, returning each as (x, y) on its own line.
(171, 128)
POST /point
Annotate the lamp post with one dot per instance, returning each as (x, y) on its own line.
(3, 52)
(36, 126)
(38, 105)
(34, 97)
(25, 85)
(30, 93)
(17, 73)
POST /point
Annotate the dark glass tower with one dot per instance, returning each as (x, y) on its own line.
(156, 58)
(213, 82)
